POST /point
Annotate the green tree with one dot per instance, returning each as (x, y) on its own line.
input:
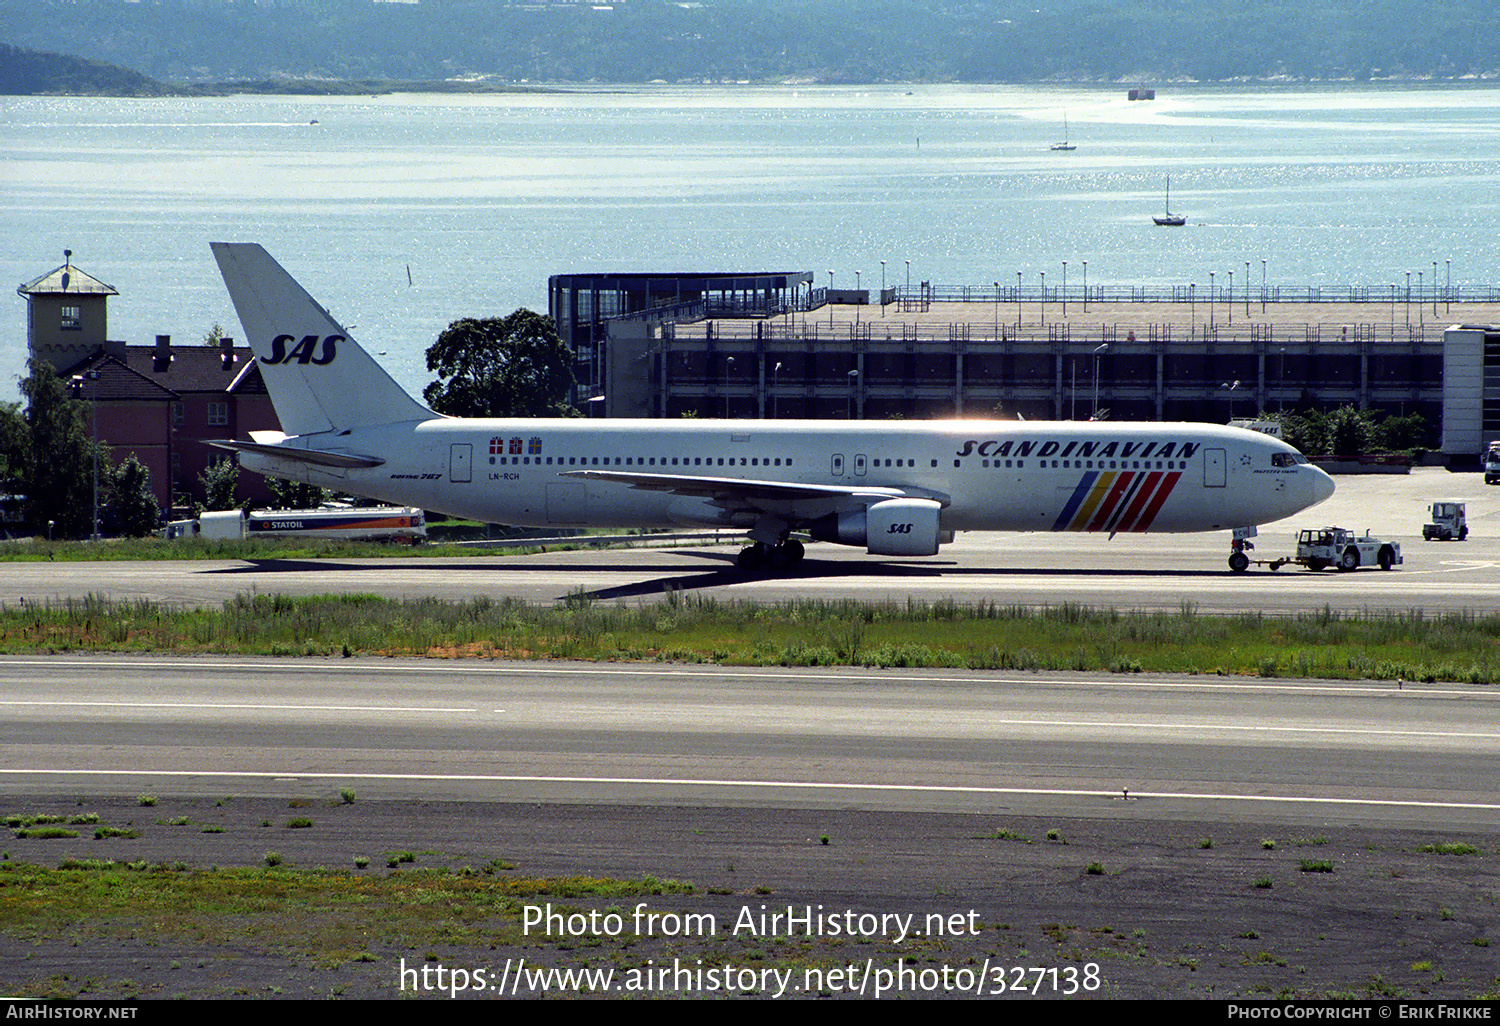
(1350, 432)
(294, 494)
(1306, 431)
(219, 481)
(13, 437)
(58, 471)
(514, 366)
(1402, 433)
(132, 507)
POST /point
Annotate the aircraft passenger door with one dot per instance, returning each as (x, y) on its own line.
(460, 462)
(1213, 468)
(859, 464)
(837, 466)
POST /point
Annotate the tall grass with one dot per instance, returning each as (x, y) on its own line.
(986, 635)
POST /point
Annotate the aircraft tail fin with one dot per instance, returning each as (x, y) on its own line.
(319, 378)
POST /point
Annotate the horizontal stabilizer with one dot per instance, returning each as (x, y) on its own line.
(318, 457)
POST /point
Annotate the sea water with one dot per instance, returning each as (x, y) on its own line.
(402, 213)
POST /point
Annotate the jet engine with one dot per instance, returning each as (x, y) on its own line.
(894, 527)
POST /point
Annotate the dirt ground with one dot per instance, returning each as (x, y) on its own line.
(803, 903)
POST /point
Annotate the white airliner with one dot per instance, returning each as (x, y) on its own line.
(898, 488)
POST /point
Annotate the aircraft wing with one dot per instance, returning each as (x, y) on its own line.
(762, 496)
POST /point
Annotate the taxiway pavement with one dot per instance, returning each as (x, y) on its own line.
(1127, 572)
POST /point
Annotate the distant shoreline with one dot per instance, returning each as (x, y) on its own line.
(384, 87)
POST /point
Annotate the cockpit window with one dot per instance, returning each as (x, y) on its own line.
(1287, 459)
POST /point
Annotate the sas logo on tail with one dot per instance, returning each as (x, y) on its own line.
(306, 351)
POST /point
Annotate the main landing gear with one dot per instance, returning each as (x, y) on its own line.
(760, 557)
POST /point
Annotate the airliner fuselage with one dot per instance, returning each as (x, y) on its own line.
(986, 475)
(897, 488)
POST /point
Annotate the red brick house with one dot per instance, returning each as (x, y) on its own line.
(159, 403)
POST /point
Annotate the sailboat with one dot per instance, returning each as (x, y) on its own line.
(1064, 145)
(1170, 219)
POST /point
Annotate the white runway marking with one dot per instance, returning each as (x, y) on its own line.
(791, 785)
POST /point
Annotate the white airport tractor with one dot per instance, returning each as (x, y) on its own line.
(1320, 548)
(1447, 522)
(1341, 548)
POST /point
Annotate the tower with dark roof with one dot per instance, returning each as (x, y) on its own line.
(67, 319)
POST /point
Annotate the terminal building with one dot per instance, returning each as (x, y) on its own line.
(771, 345)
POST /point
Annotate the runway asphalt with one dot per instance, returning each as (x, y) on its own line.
(1094, 745)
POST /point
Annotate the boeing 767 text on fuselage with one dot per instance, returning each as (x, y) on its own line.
(897, 488)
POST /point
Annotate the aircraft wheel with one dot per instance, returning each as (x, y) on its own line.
(1387, 558)
(1349, 560)
(794, 551)
(752, 559)
(1239, 562)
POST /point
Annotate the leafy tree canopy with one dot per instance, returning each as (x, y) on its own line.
(58, 468)
(132, 507)
(294, 494)
(13, 441)
(220, 479)
(513, 366)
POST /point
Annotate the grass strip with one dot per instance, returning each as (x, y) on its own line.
(327, 913)
(1416, 646)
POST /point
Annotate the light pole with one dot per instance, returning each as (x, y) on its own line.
(1018, 303)
(728, 372)
(1193, 306)
(1044, 298)
(1247, 290)
(1407, 304)
(830, 299)
(1262, 284)
(775, 395)
(1434, 288)
(1065, 289)
(997, 309)
(1210, 301)
(1097, 350)
(93, 376)
(857, 297)
(1085, 286)
(1230, 388)
(1281, 377)
(79, 386)
(1231, 297)
(882, 288)
(1448, 285)
(853, 383)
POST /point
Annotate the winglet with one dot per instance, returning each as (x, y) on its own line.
(319, 378)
